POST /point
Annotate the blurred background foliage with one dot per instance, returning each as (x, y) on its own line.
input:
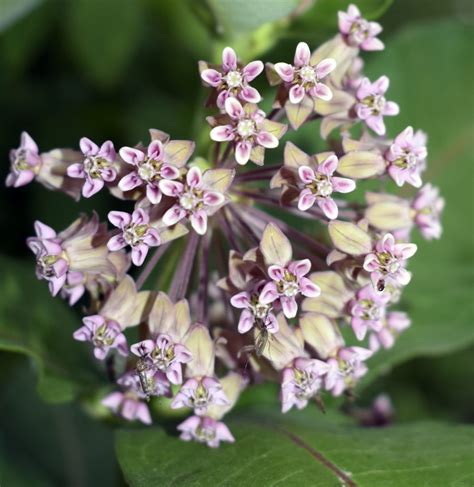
(111, 69)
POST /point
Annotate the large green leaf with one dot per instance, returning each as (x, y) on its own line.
(302, 448)
(236, 17)
(104, 36)
(39, 326)
(13, 10)
(432, 80)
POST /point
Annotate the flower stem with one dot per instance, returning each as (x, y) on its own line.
(228, 232)
(203, 280)
(258, 174)
(180, 282)
(151, 265)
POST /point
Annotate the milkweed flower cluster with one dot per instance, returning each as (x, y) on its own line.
(242, 294)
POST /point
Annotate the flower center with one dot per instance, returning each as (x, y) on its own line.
(103, 336)
(205, 434)
(162, 358)
(201, 396)
(307, 74)
(133, 234)
(20, 163)
(46, 263)
(94, 166)
(388, 263)
(149, 170)
(289, 286)
(233, 79)
(189, 200)
(246, 128)
(322, 186)
(359, 30)
(372, 311)
(259, 310)
(306, 383)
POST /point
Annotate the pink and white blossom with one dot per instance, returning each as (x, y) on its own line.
(393, 325)
(254, 312)
(368, 310)
(205, 430)
(372, 105)
(104, 334)
(193, 200)
(232, 80)
(25, 162)
(287, 283)
(136, 231)
(406, 157)
(301, 381)
(51, 262)
(319, 184)
(199, 394)
(386, 263)
(149, 168)
(345, 368)
(428, 206)
(305, 78)
(128, 405)
(246, 129)
(164, 355)
(359, 32)
(97, 168)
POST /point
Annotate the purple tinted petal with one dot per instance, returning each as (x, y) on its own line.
(76, 170)
(222, 133)
(267, 140)
(130, 181)
(199, 222)
(285, 71)
(296, 94)
(211, 77)
(324, 67)
(242, 152)
(119, 219)
(229, 59)
(88, 147)
(302, 55)
(329, 207)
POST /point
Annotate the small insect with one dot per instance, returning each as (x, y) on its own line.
(380, 285)
(260, 343)
(142, 367)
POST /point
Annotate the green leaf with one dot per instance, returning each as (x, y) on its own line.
(104, 35)
(432, 81)
(39, 326)
(237, 17)
(13, 10)
(302, 448)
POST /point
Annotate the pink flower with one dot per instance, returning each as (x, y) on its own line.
(136, 231)
(372, 105)
(253, 311)
(149, 169)
(406, 157)
(74, 288)
(205, 430)
(97, 167)
(305, 78)
(395, 323)
(164, 355)
(386, 263)
(358, 31)
(199, 394)
(128, 405)
(287, 283)
(346, 368)
(246, 129)
(233, 81)
(25, 162)
(319, 185)
(51, 264)
(301, 381)
(428, 206)
(104, 334)
(193, 200)
(145, 383)
(367, 310)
